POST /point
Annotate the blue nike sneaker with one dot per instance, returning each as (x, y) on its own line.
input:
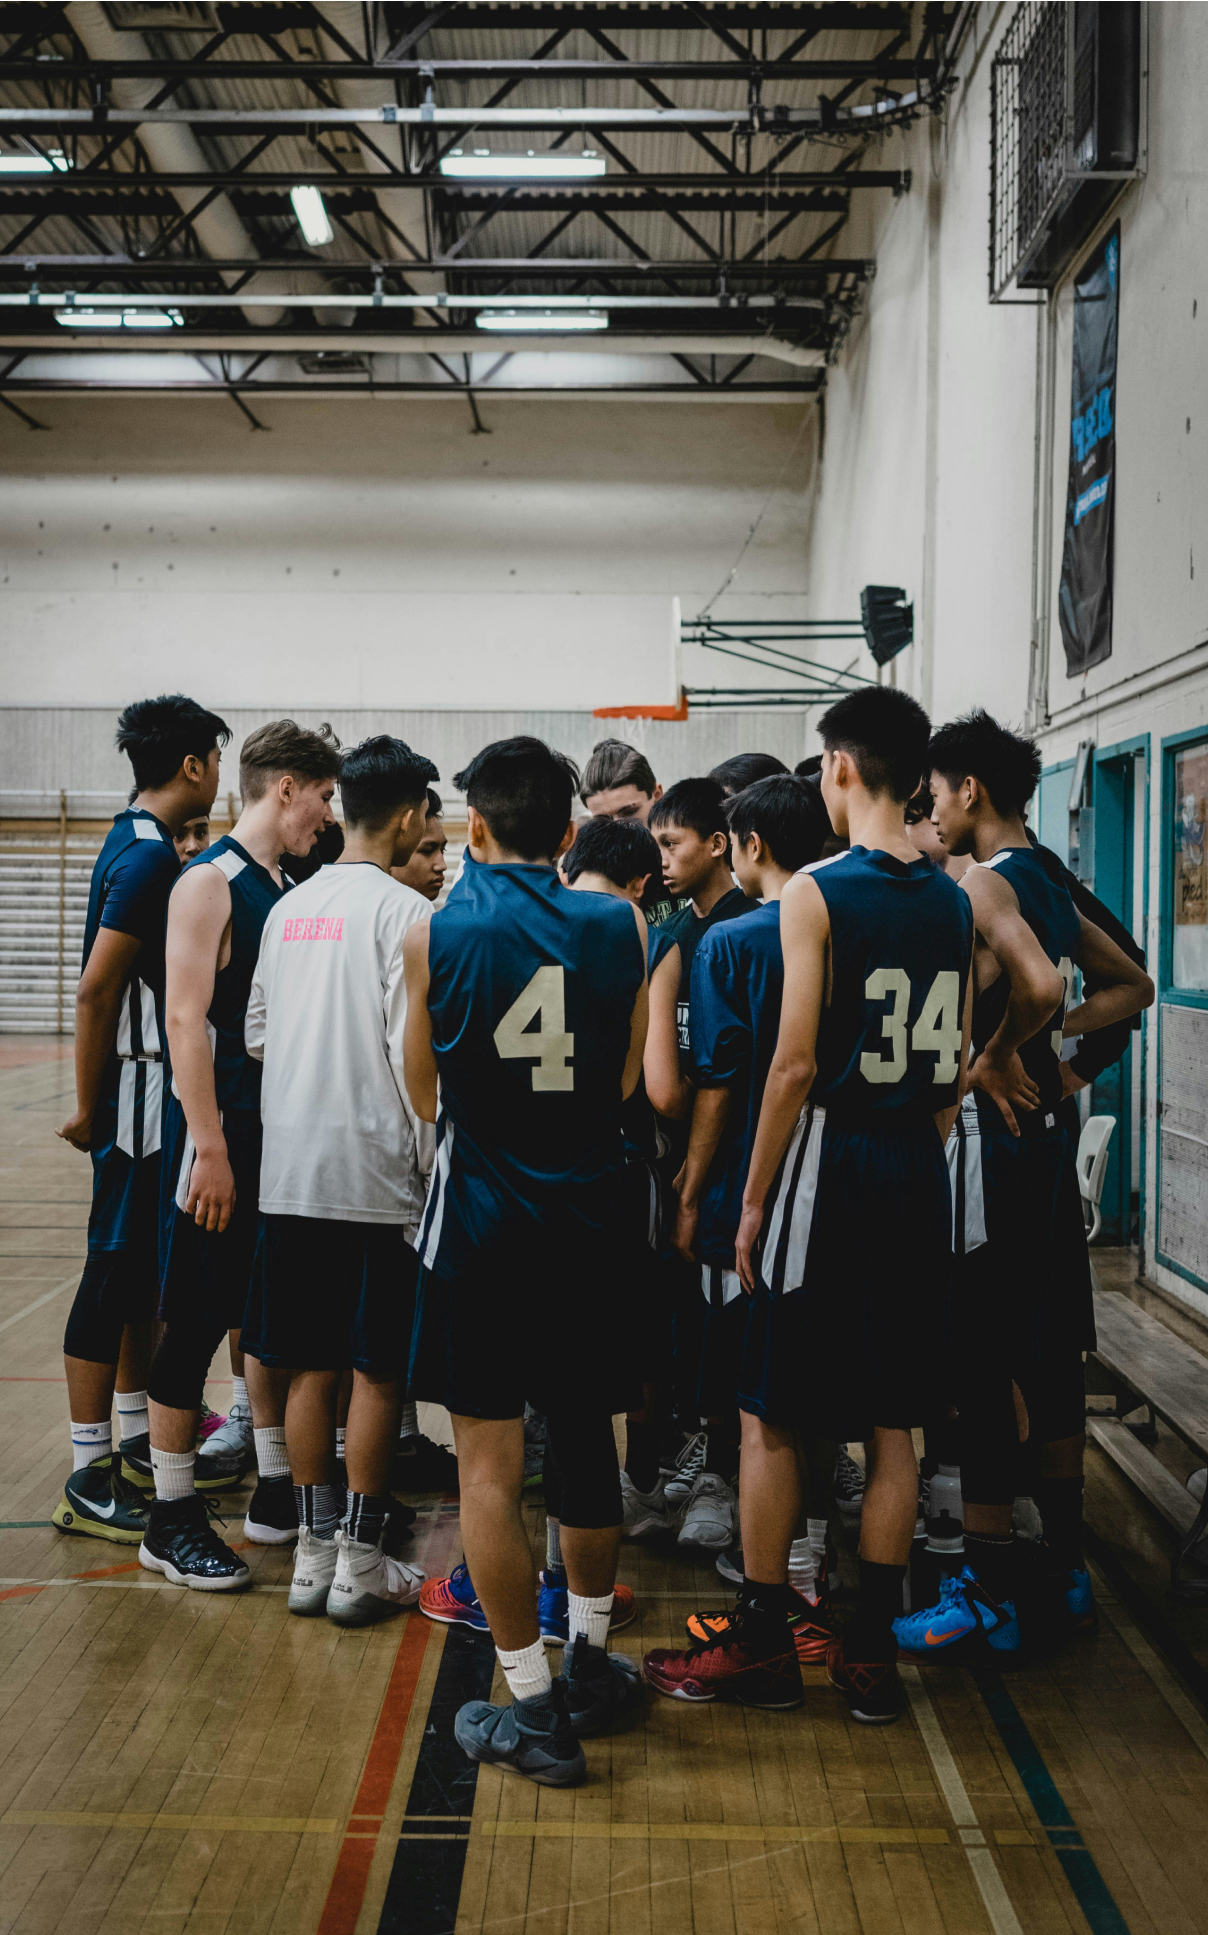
(553, 1609)
(529, 1737)
(1080, 1600)
(453, 1601)
(965, 1610)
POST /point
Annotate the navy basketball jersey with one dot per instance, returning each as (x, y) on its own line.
(1049, 910)
(901, 950)
(254, 893)
(531, 993)
(131, 881)
(737, 987)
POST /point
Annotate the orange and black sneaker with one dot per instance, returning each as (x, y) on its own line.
(738, 1665)
(871, 1687)
(811, 1626)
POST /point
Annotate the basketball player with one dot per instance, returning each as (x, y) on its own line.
(341, 1194)
(848, 1188)
(776, 828)
(526, 1198)
(173, 746)
(212, 1135)
(734, 775)
(425, 870)
(618, 784)
(1023, 1305)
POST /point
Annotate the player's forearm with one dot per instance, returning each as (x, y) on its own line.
(193, 1076)
(1032, 1003)
(784, 1097)
(1116, 1003)
(710, 1113)
(97, 1011)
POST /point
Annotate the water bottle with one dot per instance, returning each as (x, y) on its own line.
(945, 1520)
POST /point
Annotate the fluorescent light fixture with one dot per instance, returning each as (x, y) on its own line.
(119, 318)
(33, 164)
(312, 216)
(479, 164)
(532, 321)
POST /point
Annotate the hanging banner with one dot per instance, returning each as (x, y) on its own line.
(1085, 603)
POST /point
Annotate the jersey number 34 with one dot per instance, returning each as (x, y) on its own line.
(549, 1045)
(937, 1030)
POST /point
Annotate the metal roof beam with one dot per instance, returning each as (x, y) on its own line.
(69, 182)
(874, 68)
(178, 267)
(753, 118)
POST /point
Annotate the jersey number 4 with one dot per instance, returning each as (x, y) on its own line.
(549, 1046)
(937, 1030)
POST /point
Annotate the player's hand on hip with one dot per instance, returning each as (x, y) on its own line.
(1008, 1083)
(78, 1131)
(745, 1244)
(211, 1198)
(686, 1222)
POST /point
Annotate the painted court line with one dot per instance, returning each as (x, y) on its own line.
(990, 1884)
(18, 1316)
(1163, 1679)
(149, 1582)
(713, 1831)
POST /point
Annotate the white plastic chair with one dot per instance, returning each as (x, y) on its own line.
(1091, 1164)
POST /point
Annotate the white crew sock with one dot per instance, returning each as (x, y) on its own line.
(590, 1616)
(89, 1441)
(173, 1473)
(272, 1459)
(408, 1423)
(527, 1671)
(816, 1527)
(239, 1394)
(341, 1439)
(802, 1567)
(132, 1413)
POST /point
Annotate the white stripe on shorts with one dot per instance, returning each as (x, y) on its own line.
(127, 1082)
(794, 1206)
(965, 1165)
(435, 1214)
(153, 1098)
(731, 1286)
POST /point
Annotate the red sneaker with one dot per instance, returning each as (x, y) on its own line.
(727, 1668)
(871, 1687)
(811, 1627)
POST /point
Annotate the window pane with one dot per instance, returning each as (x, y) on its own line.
(1190, 952)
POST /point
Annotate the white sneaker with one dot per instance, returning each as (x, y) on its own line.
(687, 1469)
(314, 1570)
(234, 1439)
(711, 1511)
(367, 1585)
(644, 1511)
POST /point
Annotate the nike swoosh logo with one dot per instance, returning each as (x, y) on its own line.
(936, 1639)
(106, 1511)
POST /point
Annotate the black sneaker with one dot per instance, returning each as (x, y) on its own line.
(272, 1516)
(181, 1543)
(871, 1687)
(136, 1462)
(98, 1503)
(601, 1688)
(399, 1520)
(421, 1466)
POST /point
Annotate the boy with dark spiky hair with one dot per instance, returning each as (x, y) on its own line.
(1023, 1306)
(173, 746)
(528, 1194)
(845, 1233)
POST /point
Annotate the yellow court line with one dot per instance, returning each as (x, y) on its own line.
(711, 1831)
(215, 1823)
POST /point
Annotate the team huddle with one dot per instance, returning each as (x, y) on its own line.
(743, 1109)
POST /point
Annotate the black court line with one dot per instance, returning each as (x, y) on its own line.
(1093, 1895)
(425, 1879)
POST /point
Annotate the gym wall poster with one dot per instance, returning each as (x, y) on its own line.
(1085, 599)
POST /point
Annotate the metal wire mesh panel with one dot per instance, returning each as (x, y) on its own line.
(1027, 133)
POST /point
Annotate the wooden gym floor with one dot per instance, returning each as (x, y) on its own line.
(176, 1761)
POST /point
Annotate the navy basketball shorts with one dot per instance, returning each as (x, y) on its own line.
(538, 1315)
(328, 1294)
(1023, 1302)
(726, 1312)
(205, 1276)
(120, 1284)
(847, 1328)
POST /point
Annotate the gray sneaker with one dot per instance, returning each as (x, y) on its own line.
(314, 1570)
(529, 1737)
(644, 1512)
(234, 1438)
(688, 1466)
(367, 1585)
(601, 1688)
